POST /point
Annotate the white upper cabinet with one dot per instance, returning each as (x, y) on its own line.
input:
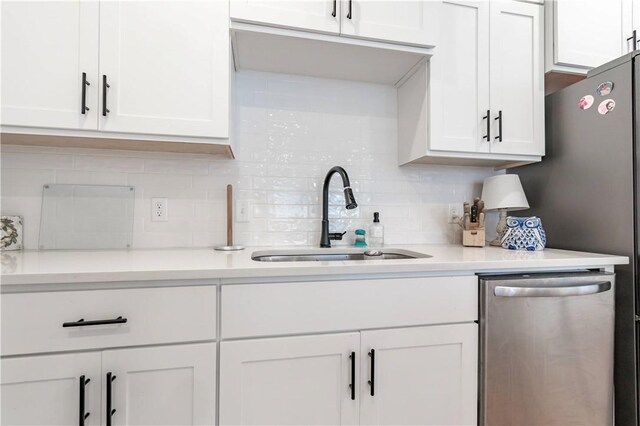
(588, 33)
(47, 48)
(633, 39)
(311, 15)
(459, 75)
(161, 67)
(480, 99)
(517, 84)
(405, 22)
(419, 376)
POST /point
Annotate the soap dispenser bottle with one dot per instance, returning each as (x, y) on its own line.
(376, 232)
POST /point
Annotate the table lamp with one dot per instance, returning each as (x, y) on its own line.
(503, 193)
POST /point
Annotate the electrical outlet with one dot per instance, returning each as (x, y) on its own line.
(242, 211)
(159, 210)
(455, 212)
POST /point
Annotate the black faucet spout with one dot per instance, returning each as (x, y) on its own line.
(349, 200)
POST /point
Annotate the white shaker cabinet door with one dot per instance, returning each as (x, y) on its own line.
(50, 390)
(460, 79)
(163, 385)
(310, 15)
(412, 22)
(517, 78)
(420, 376)
(47, 46)
(289, 381)
(634, 30)
(589, 33)
(164, 67)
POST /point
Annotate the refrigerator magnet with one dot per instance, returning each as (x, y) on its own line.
(585, 102)
(606, 106)
(604, 88)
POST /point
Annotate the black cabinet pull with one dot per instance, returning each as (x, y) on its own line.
(371, 382)
(633, 38)
(352, 385)
(334, 8)
(105, 86)
(349, 14)
(82, 323)
(110, 410)
(499, 118)
(488, 118)
(84, 108)
(82, 415)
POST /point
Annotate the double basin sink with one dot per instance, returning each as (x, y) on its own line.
(327, 255)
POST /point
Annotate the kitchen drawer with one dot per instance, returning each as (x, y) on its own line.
(33, 322)
(310, 307)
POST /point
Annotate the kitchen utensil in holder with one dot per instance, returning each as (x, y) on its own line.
(472, 224)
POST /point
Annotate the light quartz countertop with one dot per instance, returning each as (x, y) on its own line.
(104, 266)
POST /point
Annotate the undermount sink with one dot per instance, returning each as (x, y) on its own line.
(334, 255)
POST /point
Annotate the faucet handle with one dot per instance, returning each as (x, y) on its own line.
(336, 235)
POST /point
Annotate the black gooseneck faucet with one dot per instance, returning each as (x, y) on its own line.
(349, 199)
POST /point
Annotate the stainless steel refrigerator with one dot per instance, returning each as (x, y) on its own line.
(586, 192)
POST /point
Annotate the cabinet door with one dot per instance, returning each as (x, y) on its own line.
(403, 21)
(163, 385)
(46, 48)
(45, 390)
(289, 380)
(166, 64)
(588, 33)
(420, 376)
(517, 78)
(311, 15)
(460, 78)
(635, 26)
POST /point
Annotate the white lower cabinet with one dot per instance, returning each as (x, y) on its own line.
(422, 375)
(51, 389)
(289, 380)
(162, 385)
(172, 385)
(419, 376)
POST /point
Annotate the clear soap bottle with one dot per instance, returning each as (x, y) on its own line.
(376, 232)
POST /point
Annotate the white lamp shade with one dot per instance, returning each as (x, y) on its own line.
(504, 192)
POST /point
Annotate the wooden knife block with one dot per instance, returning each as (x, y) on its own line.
(473, 237)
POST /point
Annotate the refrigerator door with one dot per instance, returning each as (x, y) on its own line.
(546, 349)
(584, 192)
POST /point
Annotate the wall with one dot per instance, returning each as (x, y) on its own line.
(290, 130)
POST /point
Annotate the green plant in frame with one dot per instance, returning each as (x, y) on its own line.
(9, 231)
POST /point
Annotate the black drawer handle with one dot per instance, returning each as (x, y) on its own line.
(499, 119)
(105, 86)
(349, 15)
(372, 382)
(352, 385)
(82, 415)
(488, 118)
(633, 38)
(110, 410)
(82, 323)
(84, 108)
(334, 8)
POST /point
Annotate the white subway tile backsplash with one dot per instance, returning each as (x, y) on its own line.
(290, 130)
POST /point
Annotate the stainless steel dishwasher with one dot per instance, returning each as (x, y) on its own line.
(546, 349)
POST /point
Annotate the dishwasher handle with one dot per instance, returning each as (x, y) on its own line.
(574, 290)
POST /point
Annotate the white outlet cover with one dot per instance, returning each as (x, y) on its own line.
(159, 210)
(242, 211)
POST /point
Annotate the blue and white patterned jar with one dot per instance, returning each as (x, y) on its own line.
(524, 233)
